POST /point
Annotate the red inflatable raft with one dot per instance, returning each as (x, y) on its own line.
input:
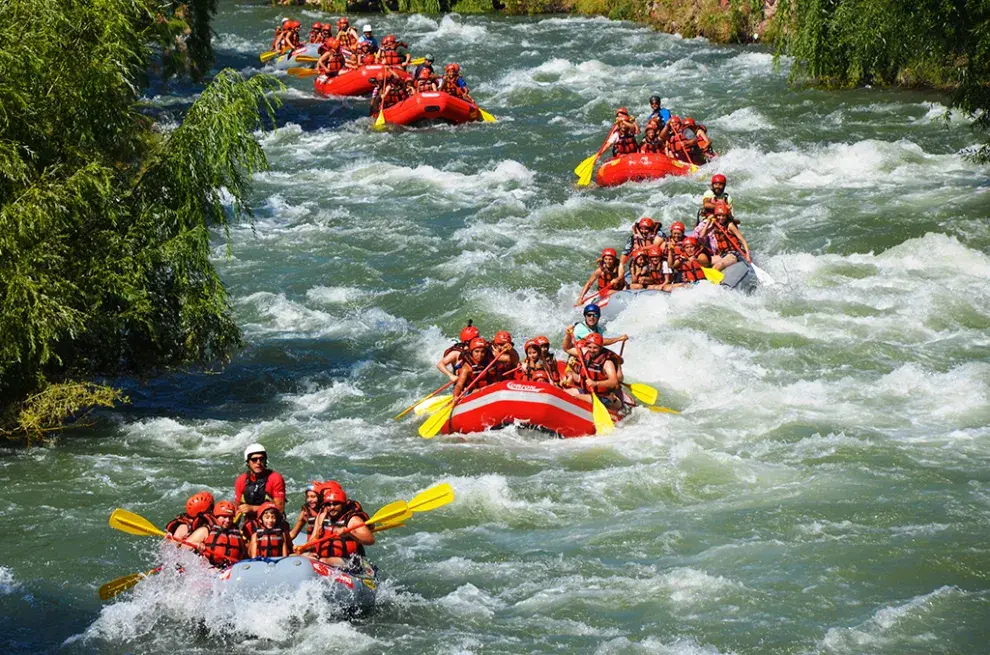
(640, 166)
(358, 82)
(541, 405)
(432, 107)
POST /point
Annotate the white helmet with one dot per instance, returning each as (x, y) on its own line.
(366, 28)
(285, 20)
(254, 449)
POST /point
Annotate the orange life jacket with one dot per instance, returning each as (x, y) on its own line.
(336, 63)
(725, 241)
(346, 40)
(342, 547)
(396, 93)
(191, 523)
(391, 57)
(626, 145)
(653, 146)
(596, 369)
(424, 86)
(448, 86)
(605, 277)
(690, 270)
(224, 546)
(309, 514)
(477, 368)
(536, 374)
(270, 541)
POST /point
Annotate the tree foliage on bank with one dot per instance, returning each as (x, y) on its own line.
(105, 216)
(941, 43)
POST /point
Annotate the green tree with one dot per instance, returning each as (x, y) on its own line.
(105, 216)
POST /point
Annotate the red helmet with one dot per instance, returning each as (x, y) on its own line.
(452, 68)
(718, 178)
(690, 241)
(225, 508)
(621, 111)
(199, 503)
(470, 332)
(333, 44)
(646, 223)
(342, 21)
(424, 74)
(317, 26)
(639, 252)
(267, 506)
(295, 25)
(677, 225)
(594, 338)
(531, 344)
(334, 494)
(477, 342)
(653, 123)
(390, 38)
(502, 337)
(609, 252)
(542, 341)
(675, 120)
(721, 209)
(653, 251)
(364, 46)
(689, 121)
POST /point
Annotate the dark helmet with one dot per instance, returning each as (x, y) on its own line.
(655, 99)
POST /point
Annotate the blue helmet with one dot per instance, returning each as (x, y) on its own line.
(592, 309)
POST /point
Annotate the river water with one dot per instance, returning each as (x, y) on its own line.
(825, 489)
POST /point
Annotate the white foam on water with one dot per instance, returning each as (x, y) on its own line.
(274, 314)
(746, 119)
(656, 646)
(320, 400)
(228, 41)
(335, 295)
(469, 604)
(453, 31)
(8, 584)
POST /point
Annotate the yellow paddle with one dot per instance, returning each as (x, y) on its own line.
(432, 498)
(485, 116)
(268, 56)
(432, 426)
(585, 169)
(395, 512)
(432, 404)
(306, 59)
(132, 523)
(663, 410)
(302, 72)
(416, 405)
(603, 421)
(380, 121)
(643, 392)
(122, 584)
(712, 275)
(417, 61)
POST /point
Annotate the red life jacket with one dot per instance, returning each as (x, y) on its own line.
(477, 368)
(448, 86)
(346, 40)
(391, 57)
(396, 93)
(651, 146)
(626, 145)
(605, 277)
(640, 242)
(335, 64)
(502, 371)
(223, 544)
(270, 541)
(424, 86)
(342, 547)
(191, 523)
(725, 241)
(690, 270)
(531, 374)
(596, 369)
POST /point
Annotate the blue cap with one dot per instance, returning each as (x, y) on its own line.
(593, 309)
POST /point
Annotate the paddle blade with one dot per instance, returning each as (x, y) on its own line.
(662, 410)
(713, 276)
(585, 169)
(417, 61)
(387, 526)
(485, 116)
(644, 393)
(301, 72)
(603, 422)
(380, 121)
(132, 523)
(431, 427)
(432, 404)
(268, 56)
(394, 512)
(120, 585)
(432, 498)
(306, 59)
(764, 277)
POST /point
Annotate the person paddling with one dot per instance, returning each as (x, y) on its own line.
(331, 61)
(454, 84)
(715, 193)
(475, 363)
(627, 129)
(549, 359)
(645, 233)
(453, 357)
(271, 538)
(258, 484)
(316, 33)
(730, 245)
(221, 544)
(424, 82)
(534, 368)
(309, 510)
(606, 275)
(199, 513)
(393, 52)
(687, 263)
(599, 375)
(341, 513)
(591, 324)
(505, 352)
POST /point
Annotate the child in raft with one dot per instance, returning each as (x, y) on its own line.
(272, 540)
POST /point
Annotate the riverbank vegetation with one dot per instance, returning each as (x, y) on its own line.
(105, 214)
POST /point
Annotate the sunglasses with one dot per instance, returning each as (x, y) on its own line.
(258, 458)
(335, 503)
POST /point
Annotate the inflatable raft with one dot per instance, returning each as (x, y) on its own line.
(351, 590)
(640, 166)
(432, 107)
(534, 404)
(738, 276)
(358, 82)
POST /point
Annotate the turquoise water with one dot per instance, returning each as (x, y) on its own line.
(825, 489)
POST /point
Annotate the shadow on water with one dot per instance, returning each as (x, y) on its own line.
(44, 621)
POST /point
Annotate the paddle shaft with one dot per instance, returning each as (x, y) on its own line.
(413, 406)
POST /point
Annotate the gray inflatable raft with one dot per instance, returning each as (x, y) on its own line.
(353, 589)
(738, 276)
